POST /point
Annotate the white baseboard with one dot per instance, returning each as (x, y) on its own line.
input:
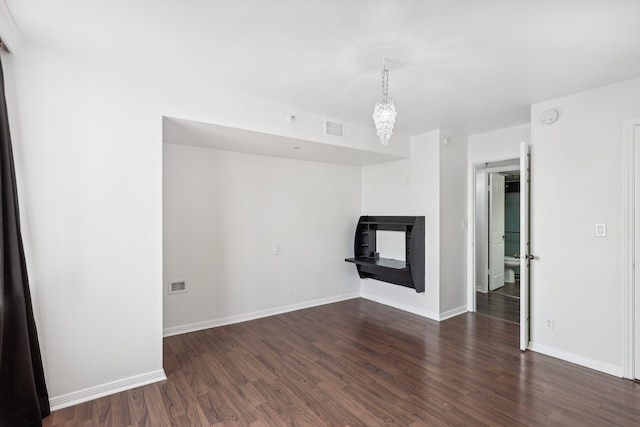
(213, 323)
(597, 365)
(453, 312)
(400, 306)
(91, 393)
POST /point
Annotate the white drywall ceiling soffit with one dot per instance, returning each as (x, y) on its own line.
(207, 135)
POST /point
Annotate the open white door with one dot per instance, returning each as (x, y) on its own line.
(496, 231)
(636, 260)
(525, 254)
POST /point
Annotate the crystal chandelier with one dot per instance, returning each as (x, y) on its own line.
(384, 113)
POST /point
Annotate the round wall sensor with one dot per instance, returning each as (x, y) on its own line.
(446, 141)
(549, 117)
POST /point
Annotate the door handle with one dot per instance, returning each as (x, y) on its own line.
(529, 257)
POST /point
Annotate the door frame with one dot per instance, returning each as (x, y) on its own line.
(473, 165)
(629, 289)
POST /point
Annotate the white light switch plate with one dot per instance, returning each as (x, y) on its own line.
(601, 230)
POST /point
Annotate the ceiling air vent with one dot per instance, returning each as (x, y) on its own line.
(333, 129)
(177, 287)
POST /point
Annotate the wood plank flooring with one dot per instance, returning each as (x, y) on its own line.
(503, 303)
(359, 363)
(509, 289)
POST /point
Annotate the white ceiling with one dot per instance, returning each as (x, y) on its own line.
(465, 64)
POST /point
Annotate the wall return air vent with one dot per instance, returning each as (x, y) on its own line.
(333, 129)
(177, 286)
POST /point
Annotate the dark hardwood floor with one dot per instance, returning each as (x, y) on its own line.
(503, 303)
(361, 363)
(509, 289)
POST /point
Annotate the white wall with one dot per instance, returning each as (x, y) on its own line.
(453, 225)
(408, 187)
(223, 214)
(431, 183)
(577, 279)
(499, 144)
(89, 166)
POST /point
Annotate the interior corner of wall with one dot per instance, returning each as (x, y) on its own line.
(9, 33)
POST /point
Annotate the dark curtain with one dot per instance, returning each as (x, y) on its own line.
(23, 394)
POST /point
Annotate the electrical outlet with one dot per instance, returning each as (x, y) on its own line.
(548, 324)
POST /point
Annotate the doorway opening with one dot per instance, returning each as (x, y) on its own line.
(497, 239)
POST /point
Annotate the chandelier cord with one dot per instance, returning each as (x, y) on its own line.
(385, 82)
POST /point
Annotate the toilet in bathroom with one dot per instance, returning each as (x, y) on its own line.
(510, 264)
